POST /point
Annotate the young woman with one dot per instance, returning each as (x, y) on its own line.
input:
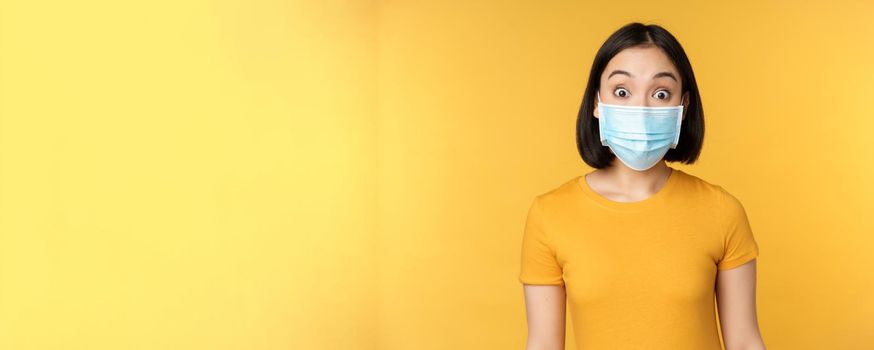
(641, 252)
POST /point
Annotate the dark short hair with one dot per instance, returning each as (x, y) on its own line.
(692, 127)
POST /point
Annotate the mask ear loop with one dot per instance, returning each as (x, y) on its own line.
(601, 124)
(679, 123)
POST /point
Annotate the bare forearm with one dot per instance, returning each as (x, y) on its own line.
(534, 344)
(757, 345)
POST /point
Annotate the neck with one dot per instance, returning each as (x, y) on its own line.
(629, 180)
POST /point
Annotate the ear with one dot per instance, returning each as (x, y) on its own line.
(595, 111)
(685, 104)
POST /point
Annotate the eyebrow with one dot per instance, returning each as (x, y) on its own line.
(657, 75)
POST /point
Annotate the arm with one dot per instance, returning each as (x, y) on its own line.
(736, 302)
(545, 310)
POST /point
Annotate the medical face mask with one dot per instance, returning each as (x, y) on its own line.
(639, 136)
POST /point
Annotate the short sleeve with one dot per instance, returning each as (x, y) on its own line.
(740, 246)
(539, 264)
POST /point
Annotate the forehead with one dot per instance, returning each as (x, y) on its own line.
(641, 62)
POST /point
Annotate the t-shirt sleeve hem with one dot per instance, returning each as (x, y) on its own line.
(524, 280)
(725, 265)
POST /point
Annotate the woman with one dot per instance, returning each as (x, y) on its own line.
(638, 249)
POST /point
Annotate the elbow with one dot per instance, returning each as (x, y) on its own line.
(749, 341)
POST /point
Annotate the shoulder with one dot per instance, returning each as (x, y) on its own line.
(706, 190)
(559, 196)
(560, 193)
(714, 194)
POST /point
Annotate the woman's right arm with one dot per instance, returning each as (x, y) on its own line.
(545, 312)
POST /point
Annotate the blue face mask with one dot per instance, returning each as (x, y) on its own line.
(639, 136)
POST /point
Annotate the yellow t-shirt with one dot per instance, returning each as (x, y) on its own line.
(638, 275)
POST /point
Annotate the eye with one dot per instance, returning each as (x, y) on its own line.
(620, 92)
(662, 95)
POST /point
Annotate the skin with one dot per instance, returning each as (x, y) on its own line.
(735, 288)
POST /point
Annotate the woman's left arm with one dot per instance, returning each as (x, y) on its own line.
(736, 303)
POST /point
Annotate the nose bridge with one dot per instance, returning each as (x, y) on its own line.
(640, 97)
(640, 100)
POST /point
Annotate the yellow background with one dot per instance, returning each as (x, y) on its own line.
(355, 174)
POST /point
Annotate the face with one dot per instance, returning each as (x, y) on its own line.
(641, 76)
